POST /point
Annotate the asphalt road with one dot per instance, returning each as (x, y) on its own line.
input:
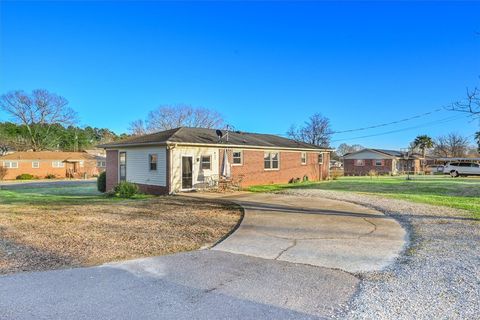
(203, 284)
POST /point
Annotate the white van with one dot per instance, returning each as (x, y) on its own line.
(456, 169)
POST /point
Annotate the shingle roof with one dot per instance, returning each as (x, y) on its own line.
(393, 153)
(209, 136)
(47, 155)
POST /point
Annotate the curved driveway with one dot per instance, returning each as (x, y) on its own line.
(314, 231)
(324, 236)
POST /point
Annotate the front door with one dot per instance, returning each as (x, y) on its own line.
(187, 172)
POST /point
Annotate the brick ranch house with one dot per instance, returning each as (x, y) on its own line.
(389, 162)
(184, 159)
(61, 164)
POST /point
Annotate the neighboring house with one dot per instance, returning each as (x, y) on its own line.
(382, 161)
(45, 163)
(183, 159)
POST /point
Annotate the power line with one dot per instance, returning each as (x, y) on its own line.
(404, 129)
(383, 124)
(390, 123)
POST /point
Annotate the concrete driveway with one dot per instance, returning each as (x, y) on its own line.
(319, 232)
(220, 283)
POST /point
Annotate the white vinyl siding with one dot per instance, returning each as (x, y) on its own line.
(138, 166)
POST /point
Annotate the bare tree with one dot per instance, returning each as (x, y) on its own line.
(168, 117)
(451, 145)
(344, 148)
(315, 131)
(137, 128)
(471, 105)
(39, 111)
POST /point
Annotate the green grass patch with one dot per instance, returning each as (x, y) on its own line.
(460, 193)
(75, 194)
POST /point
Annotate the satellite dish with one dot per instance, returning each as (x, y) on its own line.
(219, 134)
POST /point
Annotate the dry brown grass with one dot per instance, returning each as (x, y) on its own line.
(49, 236)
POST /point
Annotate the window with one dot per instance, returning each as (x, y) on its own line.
(58, 164)
(206, 162)
(101, 164)
(81, 164)
(122, 159)
(270, 160)
(35, 164)
(10, 164)
(237, 157)
(152, 159)
(320, 158)
(303, 158)
(378, 163)
(359, 163)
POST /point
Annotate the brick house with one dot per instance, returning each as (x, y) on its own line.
(185, 159)
(382, 161)
(57, 163)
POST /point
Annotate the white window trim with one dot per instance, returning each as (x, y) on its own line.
(38, 164)
(322, 156)
(9, 166)
(378, 165)
(210, 161)
(271, 161)
(58, 164)
(303, 163)
(355, 161)
(241, 158)
(101, 164)
(150, 155)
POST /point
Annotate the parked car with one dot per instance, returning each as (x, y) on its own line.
(456, 169)
(432, 169)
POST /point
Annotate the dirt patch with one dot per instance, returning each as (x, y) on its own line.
(42, 237)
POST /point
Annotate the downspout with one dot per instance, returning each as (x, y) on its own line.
(170, 167)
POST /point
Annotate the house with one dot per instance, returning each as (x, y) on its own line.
(382, 161)
(185, 158)
(52, 163)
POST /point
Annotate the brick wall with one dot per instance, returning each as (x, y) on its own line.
(112, 169)
(252, 171)
(350, 169)
(46, 168)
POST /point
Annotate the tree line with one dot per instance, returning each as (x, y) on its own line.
(42, 120)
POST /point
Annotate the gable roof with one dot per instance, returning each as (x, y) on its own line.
(48, 155)
(202, 136)
(389, 153)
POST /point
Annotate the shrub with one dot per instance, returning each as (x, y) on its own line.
(335, 174)
(372, 173)
(126, 189)
(25, 176)
(3, 172)
(102, 182)
(50, 176)
(305, 178)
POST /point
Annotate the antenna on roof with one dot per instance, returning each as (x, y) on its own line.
(219, 134)
(226, 135)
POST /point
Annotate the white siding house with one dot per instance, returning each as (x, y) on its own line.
(138, 165)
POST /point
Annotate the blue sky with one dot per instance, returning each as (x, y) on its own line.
(263, 65)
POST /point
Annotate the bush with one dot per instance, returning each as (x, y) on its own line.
(3, 172)
(50, 176)
(126, 189)
(372, 173)
(102, 182)
(25, 176)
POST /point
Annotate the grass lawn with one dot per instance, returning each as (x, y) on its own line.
(51, 227)
(461, 193)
